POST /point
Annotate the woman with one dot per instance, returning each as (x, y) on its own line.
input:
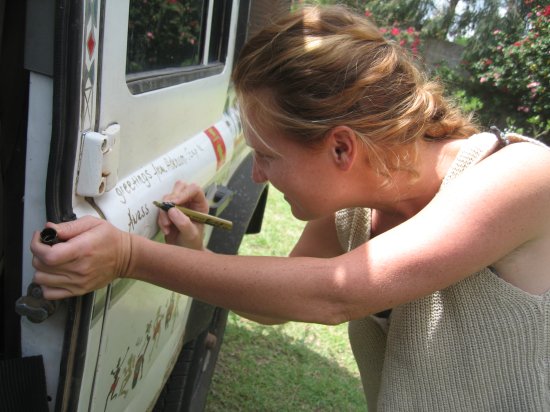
(408, 207)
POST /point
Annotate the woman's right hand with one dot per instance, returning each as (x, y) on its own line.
(178, 229)
(91, 255)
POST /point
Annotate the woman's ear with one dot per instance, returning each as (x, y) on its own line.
(342, 143)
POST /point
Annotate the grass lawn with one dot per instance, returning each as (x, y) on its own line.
(291, 367)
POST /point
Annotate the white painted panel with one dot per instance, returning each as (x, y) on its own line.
(129, 205)
(151, 322)
(152, 123)
(45, 338)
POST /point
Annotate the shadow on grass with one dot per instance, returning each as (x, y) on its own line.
(264, 369)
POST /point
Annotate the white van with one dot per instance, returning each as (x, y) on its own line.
(104, 105)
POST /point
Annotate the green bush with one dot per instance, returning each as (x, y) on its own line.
(163, 33)
(513, 79)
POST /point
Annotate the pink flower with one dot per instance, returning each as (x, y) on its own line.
(533, 84)
(546, 11)
(523, 109)
(150, 35)
(402, 42)
(368, 13)
(383, 30)
(410, 30)
(395, 31)
(488, 62)
(483, 79)
(497, 31)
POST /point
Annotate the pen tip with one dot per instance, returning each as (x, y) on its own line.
(164, 205)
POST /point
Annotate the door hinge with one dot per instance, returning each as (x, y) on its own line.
(98, 163)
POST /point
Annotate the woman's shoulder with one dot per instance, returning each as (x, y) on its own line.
(518, 138)
(526, 165)
(514, 158)
(526, 157)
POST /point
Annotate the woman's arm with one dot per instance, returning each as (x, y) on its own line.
(489, 211)
(318, 239)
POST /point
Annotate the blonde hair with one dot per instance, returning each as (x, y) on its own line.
(324, 67)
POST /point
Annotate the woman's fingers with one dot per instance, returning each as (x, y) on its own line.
(180, 220)
(68, 230)
(60, 286)
(94, 254)
(57, 293)
(189, 195)
(75, 236)
(175, 225)
(55, 255)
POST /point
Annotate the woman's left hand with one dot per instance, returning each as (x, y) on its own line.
(178, 229)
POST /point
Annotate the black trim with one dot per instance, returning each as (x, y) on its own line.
(242, 28)
(82, 311)
(65, 121)
(147, 81)
(39, 37)
(219, 32)
(79, 310)
(64, 142)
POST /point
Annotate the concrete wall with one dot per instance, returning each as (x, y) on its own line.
(437, 51)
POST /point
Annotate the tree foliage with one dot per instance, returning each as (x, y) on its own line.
(515, 75)
(163, 33)
(443, 19)
(505, 76)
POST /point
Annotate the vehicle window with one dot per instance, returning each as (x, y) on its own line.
(174, 41)
(164, 33)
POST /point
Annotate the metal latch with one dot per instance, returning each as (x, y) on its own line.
(34, 306)
(98, 163)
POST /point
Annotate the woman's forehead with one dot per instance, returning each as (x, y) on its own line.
(257, 135)
(258, 128)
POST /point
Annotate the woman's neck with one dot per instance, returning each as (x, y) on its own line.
(405, 195)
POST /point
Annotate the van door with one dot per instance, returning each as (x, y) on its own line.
(155, 110)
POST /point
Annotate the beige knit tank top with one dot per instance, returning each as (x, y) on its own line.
(479, 345)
